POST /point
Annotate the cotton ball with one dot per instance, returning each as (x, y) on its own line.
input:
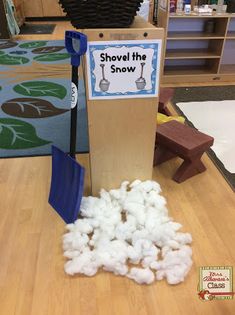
(113, 255)
(149, 185)
(82, 264)
(124, 185)
(79, 244)
(141, 276)
(71, 267)
(91, 243)
(183, 238)
(139, 234)
(119, 194)
(96, 235)
(149, 254)
(105, 196)
(119, 250)
(134, 197)
(150, 250)
(71, 253)
(68, 239)
(151, 219)
(161, 234)
(115, 248)
(83, 226)
(75, 241)
(137, 210)
(134, 254)
(115, 194)
(109, 220)
(94, 223)
(147, 261)
(116, 268)
(165, 250)
(124, 231)
(173, 244)
(175, 226)
(70, 227)
(155, 200)
(121, 269)
(108, 230)
(135, 183)
(88, 206)
(143, 245)
(90, 269)
(175, 265)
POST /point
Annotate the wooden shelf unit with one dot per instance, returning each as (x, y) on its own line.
(193, 35)
(193, 55)
(231, 35)
(227, 69)
(190, 53)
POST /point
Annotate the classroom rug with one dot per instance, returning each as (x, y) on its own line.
(212, 111)
(35, 97)
(32, 28)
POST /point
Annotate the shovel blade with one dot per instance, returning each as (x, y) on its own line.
(67, 184)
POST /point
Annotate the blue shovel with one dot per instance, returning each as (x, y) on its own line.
(67, 179)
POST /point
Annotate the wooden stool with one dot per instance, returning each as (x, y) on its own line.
(175, 139)
(164, 97)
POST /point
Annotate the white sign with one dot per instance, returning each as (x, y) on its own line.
(123, 69)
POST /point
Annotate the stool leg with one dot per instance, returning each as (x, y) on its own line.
(163, 109)
(189, 168)
(161, 155)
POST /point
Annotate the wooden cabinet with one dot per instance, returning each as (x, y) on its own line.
(192, 54)
(4, 32)
(51, 8)
(19, 14)
(42, 8)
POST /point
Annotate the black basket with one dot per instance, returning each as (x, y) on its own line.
(101, 13)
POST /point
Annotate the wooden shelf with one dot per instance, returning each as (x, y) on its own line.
(193, 35)
(190, 53)
(187, 70)
(227, 69)
(198, 16)
(230, 35)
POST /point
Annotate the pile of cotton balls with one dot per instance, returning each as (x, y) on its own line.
(126, 227)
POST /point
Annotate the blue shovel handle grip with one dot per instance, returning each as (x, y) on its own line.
(76, 45)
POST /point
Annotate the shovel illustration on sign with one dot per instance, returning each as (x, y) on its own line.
(141, 82)
(104, 84)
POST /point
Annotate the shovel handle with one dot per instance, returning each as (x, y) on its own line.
(76, 45)
(74, 112)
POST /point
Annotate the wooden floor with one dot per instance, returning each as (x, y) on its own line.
(32, 280)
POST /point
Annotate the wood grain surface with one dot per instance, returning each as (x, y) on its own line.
(32, 279)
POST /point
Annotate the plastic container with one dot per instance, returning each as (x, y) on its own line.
(179, 7)
(187, 9)
(172, 6)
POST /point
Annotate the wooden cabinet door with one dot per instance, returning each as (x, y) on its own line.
(40, 8)
(33, 8)
(19, 13)
(51, 8)
(4, 32)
